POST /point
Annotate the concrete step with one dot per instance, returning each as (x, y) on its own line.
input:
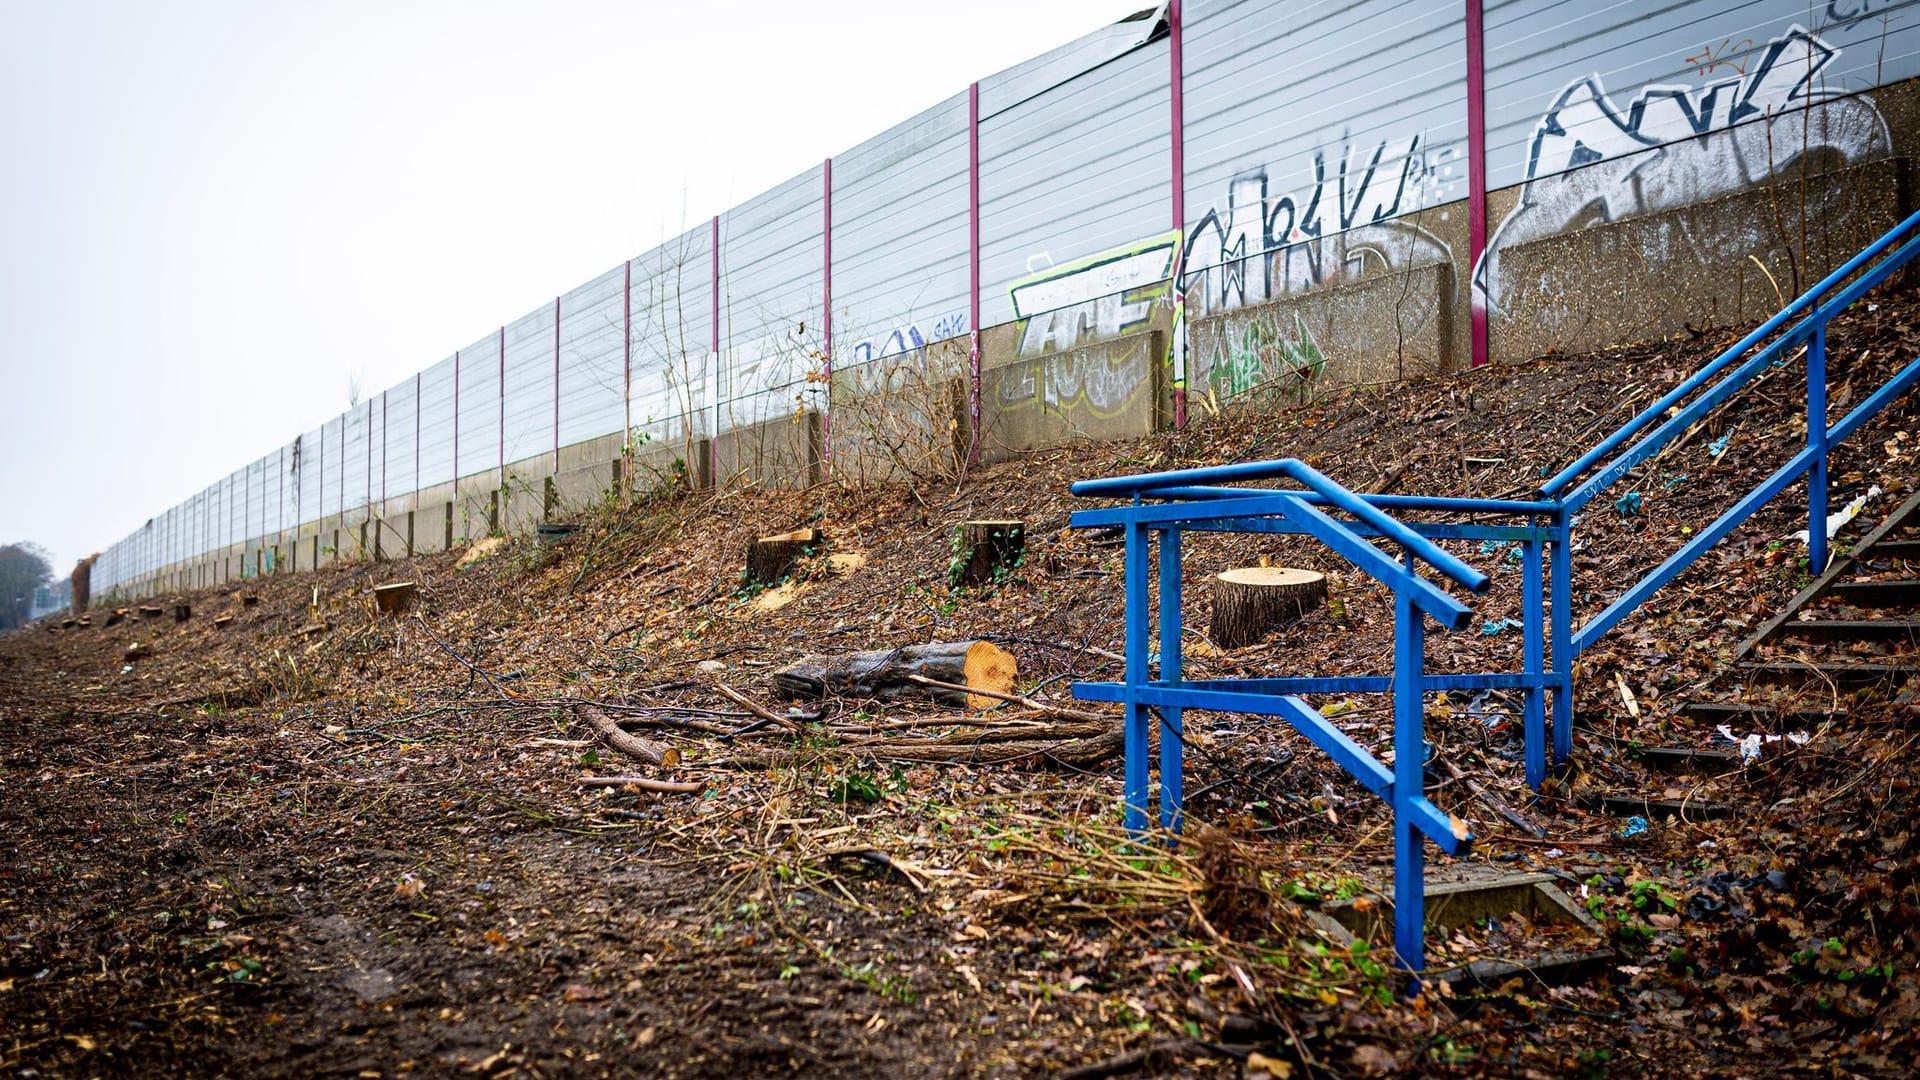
(1686, 759)
(1894, 549)
(1852, 630)
(1879, 594)
(1844, 676)
(1664, 809)
(1742, 717)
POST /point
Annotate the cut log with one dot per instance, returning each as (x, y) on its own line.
(985, 548)
(221, 620)
(151, 613)
(117, 616)
(1251, 600)
(888, 673)
(139, 650)
(393, 599)
(771, 558)
(653, 753)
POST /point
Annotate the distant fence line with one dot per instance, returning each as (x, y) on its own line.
(1198, 201)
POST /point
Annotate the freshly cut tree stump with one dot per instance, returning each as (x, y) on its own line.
(393, 599)
(771, 558)
(1251, 600)
(985, 547)
(182, 612)
(886, 673)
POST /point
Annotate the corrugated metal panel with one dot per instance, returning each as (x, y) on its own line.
(529, 388)
(480, 405)
(1079, 170)
(592, 358)
(1031, 78)
(770, 294)
(900, 273)
(672, 291)
(1670, 71)
(399, 414)
(436, 425)
(353, 463)
(1310, 120)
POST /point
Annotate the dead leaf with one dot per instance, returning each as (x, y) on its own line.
(1259, 1064)
(1375, 1061)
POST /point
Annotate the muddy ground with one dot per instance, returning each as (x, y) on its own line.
(316, 841)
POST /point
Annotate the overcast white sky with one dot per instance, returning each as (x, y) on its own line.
(213, 216)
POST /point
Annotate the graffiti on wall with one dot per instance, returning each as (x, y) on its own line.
(1102, 380)
(1592, 160)
(1261, 243)
(907, 338)
(1275, 352)
(1093, 299)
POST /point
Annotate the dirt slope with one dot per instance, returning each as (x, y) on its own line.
(318, 842)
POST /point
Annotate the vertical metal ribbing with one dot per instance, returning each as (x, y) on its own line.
(1476, 174)
(416, 441)
(1178, 153)
(826, 309)
(713, 316)
(556, 386)
(626, 351)
(973, 276)
(500, 394)
(456, 425)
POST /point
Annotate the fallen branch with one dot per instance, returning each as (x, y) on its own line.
(765, 714)
(633, 746)
(644, 783)
(1496, 803)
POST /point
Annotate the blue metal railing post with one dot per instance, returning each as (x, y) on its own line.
(1561, 643)
(1135, 815)
(1409, 783)
(1172, 730)
(1817, 441)
(1533, 659)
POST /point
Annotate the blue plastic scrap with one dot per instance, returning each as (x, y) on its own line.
(1634, 827)
(1494, 626)
(1628, 504)
(1675, 482)
(1719, 445)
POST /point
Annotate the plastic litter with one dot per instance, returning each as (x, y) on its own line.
(1628, 504)
(1719, 445)
(1634, 827)
(1675, 482)
(1494, 626)
(1751, 744)
(1839, 518)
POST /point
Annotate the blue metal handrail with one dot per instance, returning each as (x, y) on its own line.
(1200, 500)
(1403, 785)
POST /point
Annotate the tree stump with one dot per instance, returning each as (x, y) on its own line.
(1251, 600)
(771, 558)
(393, 599)
(984, 547)
(884, 673)
(182, 612)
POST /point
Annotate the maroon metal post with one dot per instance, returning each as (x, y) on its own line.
(500, 392)
(456, 425)
(826, 308)
(1476, 174)
(556, 386)
(1178, 151)
(973, 273)
(626, 361)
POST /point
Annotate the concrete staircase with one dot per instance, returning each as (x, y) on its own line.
(1845, 650)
